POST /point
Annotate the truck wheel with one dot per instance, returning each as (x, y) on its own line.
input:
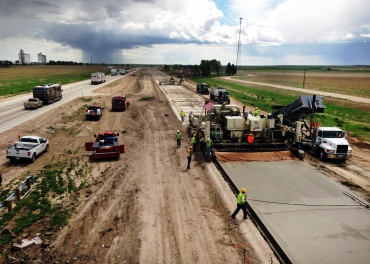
(33, 158)
(322, 155)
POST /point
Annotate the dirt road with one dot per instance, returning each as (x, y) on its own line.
(143, 208)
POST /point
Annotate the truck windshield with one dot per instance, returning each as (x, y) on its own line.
(333, 134)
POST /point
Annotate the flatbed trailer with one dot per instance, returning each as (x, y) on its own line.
(305, 216)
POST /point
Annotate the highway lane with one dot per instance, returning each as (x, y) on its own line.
(12, 112)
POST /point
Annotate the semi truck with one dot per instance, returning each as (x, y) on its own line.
(219, 95)
(97, 78)
(202, 88)
(27, 148)
(106, 145)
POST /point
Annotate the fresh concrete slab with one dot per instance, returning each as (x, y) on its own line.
(307, 213)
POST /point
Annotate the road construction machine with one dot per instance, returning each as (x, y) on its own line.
(106, 145)
(167, 81)
(285, 128)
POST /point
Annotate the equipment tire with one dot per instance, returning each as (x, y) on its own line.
(322, 155)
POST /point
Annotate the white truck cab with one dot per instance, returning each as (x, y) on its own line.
(332, 144)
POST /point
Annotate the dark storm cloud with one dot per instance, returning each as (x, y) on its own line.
(45, 4)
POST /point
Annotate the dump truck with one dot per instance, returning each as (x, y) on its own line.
(33, 103)
(97, 78)
(118, 103)
(219, 95)
(106, 145)
(202, 88)
(93, 112)
(27, 148)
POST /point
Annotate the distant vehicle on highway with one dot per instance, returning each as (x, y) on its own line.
(97, 77)
(48, 93)
(33, 103)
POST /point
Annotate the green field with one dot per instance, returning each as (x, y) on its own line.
(21, 79)
(351, 116)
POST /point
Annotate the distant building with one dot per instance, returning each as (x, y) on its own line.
(41, 58)
(24, 58)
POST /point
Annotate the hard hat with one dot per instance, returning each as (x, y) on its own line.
(251, 134)
(194, 135)
(178, 131)
(243, 190)
(208, 138)
(256, 108)
(190, 147)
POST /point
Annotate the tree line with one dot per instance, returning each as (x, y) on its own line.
(205, 68)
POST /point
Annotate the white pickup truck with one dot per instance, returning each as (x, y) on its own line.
(33, 103)
(27, 148)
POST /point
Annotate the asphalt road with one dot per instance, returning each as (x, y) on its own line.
(12, 112)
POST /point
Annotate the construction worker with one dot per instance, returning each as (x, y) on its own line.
(182, 115)
(250, 139)
(194, 141)
(240, 201)
(256, 112)
(208, 146)
(189, 154)
(223, 107)
(127, 104)
(178, 138)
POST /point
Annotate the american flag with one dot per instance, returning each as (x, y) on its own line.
(208, 106)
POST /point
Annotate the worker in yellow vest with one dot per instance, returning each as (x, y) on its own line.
(240, 201)
(208, 146)
(182, 115)
(194, 141)
(189, 154)
(256, 113)
(178, 138)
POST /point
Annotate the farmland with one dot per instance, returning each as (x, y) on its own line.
(21, 79)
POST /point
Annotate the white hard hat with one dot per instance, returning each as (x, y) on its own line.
(178, 131)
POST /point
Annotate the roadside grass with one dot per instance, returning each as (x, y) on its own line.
(53, 181)
(353, 118)
(21, 79)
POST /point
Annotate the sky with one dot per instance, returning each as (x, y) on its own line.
(267, 32)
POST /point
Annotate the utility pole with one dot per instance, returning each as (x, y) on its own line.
(239, 46)
(91, 59)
